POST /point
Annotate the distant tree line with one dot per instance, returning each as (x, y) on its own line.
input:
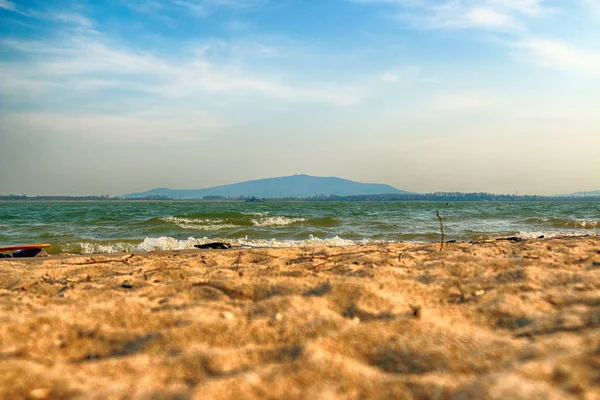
(450, 197)
(152, 197)
(439, 196)
(16, 197)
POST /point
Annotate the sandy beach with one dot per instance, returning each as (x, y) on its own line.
(478, 320)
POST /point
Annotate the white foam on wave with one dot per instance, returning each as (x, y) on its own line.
(199, 224)
(169, 243)
(276, 221)
(587, 223)
(209, 227)
(256, 214)
(576, 223)
(312, 241)
(94, 248)
(179, 220)
(551, 235)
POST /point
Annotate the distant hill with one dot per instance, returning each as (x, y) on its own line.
(593, 193)
(288, 186)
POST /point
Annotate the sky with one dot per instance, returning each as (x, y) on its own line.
(111, 97)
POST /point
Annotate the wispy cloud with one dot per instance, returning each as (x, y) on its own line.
(559, 55)
(7, 5)
(197, 8)
(593, 5)
(463, 101)
(453, 14)
(405, 74)
(488, 17)
(178, 126)
(88, 58)
(66, 17)
(60, 16)
(516, 24)
(389, 76)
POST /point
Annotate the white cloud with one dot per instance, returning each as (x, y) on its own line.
(389, 77)
(518, 19)
(83, 59)
(230, 3)
(558, 55)
(463, 101)
(481, 16)
(198, 8)
(129, 128)
(63, 16)
(485, 14)
(531, 7)
(454, 14)
(7, 5)
(68, 17)
(593, 5)
(405, 74)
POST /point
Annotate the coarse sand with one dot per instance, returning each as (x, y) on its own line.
(498, 320)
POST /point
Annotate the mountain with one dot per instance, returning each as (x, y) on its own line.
(594, 193)
(287, 186)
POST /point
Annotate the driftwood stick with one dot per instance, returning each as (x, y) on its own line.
(92, 261)
(437, 212)
(354, 253)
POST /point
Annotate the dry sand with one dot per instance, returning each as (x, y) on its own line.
(493, 320)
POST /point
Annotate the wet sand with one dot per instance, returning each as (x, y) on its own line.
(486, 320)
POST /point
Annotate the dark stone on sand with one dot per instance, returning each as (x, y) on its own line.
(513, 239)
(216, 245)
(26, 253)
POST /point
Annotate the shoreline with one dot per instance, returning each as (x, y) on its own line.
(493, 319)
(238, 246)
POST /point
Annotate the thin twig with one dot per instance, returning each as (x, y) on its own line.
(498, 247)
(92, 261)
(441, 229)
(310, 258)
(232, 293)
(238, 260)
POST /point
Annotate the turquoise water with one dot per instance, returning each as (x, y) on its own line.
(103, 227)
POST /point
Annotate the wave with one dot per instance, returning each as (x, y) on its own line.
(276, 221)
(260, 220)
(181, 220)
(312, 241)
(96, 247)
(546, 235)
(210, 227)
(170, 243)
(200, 224)
(566, 223)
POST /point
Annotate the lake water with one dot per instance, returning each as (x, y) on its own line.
(105, 227)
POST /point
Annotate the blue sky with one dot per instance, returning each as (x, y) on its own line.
(119, 96)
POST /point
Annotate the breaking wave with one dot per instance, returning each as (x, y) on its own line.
(97, 247)
(200, 224)
(178, 220)
(566, 223)
(276, 221)
(546, 235)
(169, 243)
